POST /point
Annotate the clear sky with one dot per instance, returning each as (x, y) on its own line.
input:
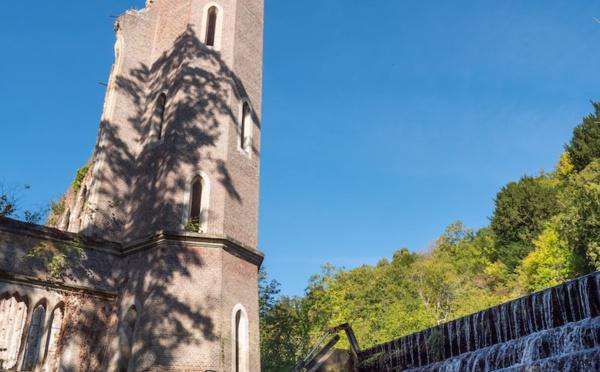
(384, 120)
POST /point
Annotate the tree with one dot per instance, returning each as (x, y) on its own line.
(565, 166)
(522, 209)
(284, 335)
(268, 292)
(9, 205)
(549, 264)
(467, 251)
(585, 143)
(283, 327)
(437, 283)
(579, 221)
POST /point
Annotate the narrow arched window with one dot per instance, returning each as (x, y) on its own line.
(34, 338)
(196, 204)
(211, 26)
(13, 313)
(196, 211)
(241, 358)
(52, 343)
(127, 332)
(158, 117)
(246, 127)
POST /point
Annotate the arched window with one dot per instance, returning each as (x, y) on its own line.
(241, 346)
(127, 331)
(158, 117)
(211, 26)
(195, 219)
(246, 127)
(34, 338)
(50, 354)
(13, 313)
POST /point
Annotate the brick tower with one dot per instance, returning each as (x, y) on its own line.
(174, 179)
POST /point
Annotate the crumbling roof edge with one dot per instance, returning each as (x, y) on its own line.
(16, 227)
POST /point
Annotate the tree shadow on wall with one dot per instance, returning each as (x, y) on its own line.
(153, 173)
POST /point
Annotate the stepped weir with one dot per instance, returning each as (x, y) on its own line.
(557, 329)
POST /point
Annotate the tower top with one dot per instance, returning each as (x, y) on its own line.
(179, 141)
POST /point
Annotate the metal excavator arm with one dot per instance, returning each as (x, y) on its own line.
(321, 351)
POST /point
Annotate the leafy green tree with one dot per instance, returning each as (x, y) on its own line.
(499, 280)
(565, 166)
(585, 143)
(467, 251)
(522, 209)
(284, 335)
(268, 292)
(579, 221)
(283, 327)
(437, 283)
(549, 264)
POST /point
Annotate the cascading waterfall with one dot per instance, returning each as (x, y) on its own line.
(555, 329)
(581, 337)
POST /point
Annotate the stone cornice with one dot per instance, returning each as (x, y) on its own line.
(117, 249)
(188, 238)
(20, 228)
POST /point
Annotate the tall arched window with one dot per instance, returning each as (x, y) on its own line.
(127, 331)
(13, 313)
(158, 117)
(196, 212)
(34, 338)
(246, 127)
(50, 354)
(211, 26)
(195, 220)
(241, 345)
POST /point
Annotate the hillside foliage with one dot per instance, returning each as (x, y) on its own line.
(545, 229)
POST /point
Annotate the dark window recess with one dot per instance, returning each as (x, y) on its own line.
(211, 26)
(196, 207)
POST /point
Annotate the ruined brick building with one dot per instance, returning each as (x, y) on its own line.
(154, 264)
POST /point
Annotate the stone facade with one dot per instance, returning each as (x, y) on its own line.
(154, 264)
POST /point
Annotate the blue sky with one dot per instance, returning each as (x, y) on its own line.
(383, 121)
